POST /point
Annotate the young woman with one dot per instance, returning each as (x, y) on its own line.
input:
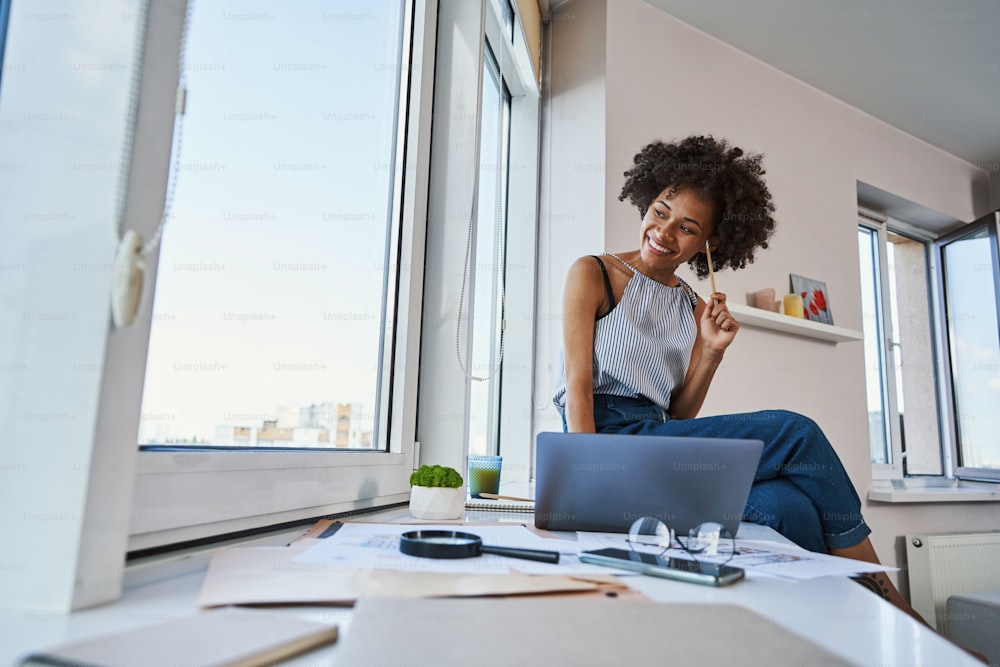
(641, 348)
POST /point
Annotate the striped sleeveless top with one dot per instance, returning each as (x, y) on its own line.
(642, 347)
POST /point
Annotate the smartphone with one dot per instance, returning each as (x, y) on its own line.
(710, 574)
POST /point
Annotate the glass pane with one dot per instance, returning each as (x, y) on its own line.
(271, 301)
(871, 308)
(487, 308)
(974, 341)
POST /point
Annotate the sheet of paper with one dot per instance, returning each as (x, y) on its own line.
(782, 560)
(376, 546)
(757, 557)
(261, 575)
(270, 575)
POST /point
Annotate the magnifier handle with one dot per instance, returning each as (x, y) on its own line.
(526, 554)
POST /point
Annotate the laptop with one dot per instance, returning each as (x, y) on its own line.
(603, 482)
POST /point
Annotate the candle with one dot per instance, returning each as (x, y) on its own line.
(764, 299)
(793, 305)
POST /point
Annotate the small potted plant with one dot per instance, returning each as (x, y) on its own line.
(436, 493)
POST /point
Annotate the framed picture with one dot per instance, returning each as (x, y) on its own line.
(815, 304)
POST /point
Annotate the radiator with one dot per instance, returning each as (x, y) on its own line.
(947, 564)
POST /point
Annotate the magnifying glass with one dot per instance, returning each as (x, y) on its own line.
(456, 544)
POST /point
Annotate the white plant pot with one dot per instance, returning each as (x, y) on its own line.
(437, 503)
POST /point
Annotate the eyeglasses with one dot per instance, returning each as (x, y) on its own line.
(709, 540)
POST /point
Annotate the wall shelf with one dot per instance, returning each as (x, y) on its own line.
(765, 319)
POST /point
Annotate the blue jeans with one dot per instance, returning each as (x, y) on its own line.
(800, 489)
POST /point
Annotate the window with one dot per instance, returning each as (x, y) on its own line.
(902, 409)
(489, 264)
(932, 350)
(275, 293)
(879, 434)
(277, 382)
(300, 251)
(457, 414)
(970, 275)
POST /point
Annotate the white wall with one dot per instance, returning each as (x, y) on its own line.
(665, 79)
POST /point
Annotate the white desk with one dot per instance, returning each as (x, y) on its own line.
(836, 613)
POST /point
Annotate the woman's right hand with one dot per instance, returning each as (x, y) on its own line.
(717, 325)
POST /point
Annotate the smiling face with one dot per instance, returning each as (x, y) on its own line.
(674, 229)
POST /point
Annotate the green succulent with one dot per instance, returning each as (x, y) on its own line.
(437, 476)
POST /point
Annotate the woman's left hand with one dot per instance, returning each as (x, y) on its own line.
(718, 326)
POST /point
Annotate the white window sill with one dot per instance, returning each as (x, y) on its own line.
(933, 491)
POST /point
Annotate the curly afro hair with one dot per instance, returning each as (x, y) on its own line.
(723, 174)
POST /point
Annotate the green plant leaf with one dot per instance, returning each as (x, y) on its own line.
(436, 476)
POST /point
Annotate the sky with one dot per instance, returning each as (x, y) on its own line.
(270, 279)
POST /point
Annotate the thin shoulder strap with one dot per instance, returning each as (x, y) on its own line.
(626, 264)
(607, 281)
(692, 296)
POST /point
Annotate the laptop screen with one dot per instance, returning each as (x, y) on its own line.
(605, 481)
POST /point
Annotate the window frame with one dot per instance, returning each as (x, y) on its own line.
(943, 389)
(515, 442)
(894, 468)
(444, 402)
(950, 438)
(183, 496)
(493, 372)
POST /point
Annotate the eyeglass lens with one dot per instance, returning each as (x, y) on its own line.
(649, 531)
(708, 539)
